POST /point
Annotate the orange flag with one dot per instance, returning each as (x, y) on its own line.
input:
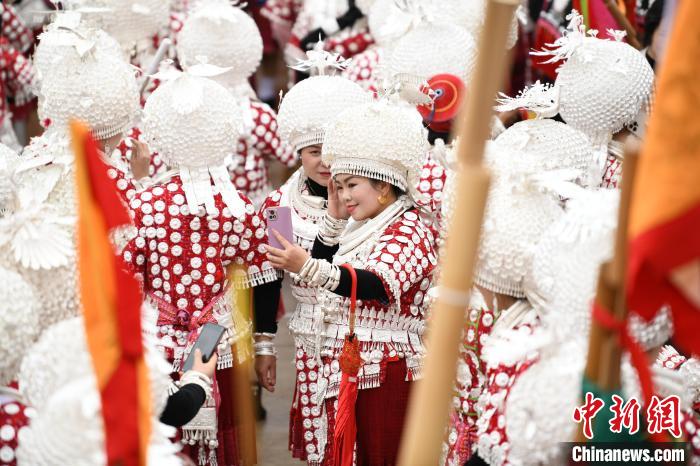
(111, 305)
(665, 211)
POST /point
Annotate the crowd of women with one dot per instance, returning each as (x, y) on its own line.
(168, 90)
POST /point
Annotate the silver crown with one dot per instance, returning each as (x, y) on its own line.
(311, 105)
(223, 35)
(379, 140)
(83, 77)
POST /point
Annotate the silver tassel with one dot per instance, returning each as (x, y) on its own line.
(202, 455)
(212, 457)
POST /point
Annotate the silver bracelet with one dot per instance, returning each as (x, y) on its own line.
(333, 279)
(265, 348)
(331, 229)
(309, 270)
(334, 224)
(319, 273)
(306, 269)
(264, 334)
(322, 273)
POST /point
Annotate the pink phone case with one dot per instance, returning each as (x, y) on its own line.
(280, 219)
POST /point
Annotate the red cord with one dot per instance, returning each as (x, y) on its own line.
(353, 295)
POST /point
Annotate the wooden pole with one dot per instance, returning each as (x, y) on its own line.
(430, 400)
(609, 371)
(604, 352)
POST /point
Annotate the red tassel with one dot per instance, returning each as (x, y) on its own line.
(350, 362)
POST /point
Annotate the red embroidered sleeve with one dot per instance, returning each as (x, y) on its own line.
(404, 258)
(272, 200)
(125, 150)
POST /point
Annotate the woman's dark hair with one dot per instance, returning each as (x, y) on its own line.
(395, 189)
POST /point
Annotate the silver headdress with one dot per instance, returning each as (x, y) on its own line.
(603, 85)
(517, 213)
(193, 123)
(389, 20)
(311, 105)
(133, 23)
(542, 99)
(546, 145)
(85, 81)
(471, 14)
(427, 50)
(223, 35)
(67, 39)
(530, 161)
(379, 140)
(561, 280)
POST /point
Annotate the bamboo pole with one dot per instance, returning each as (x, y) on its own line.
(604, 352)
(609, 371)
(430, 401)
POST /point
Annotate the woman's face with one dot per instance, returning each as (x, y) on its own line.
(313, 167)
(361, 196)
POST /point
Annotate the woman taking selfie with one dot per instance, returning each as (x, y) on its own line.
(374, 152)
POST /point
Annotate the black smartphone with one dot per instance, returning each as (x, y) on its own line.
(207, 342)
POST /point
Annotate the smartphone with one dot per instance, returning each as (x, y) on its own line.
(280, 219)
(207, 342)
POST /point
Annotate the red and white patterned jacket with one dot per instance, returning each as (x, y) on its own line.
(14, 417)
(14, 29)
(17, 77)
(403, 256)
(431, 185)
(363, 68)
(350, 42)
(182, 258)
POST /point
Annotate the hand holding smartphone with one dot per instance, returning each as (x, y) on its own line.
(207, 342)
(279, 219)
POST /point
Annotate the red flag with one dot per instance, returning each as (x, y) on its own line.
(111, 305)
(664, 227)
